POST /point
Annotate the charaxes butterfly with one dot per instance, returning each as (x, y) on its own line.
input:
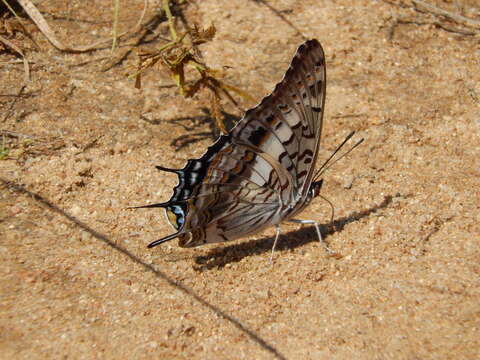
(263, 171)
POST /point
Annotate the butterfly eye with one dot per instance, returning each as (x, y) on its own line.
(316, 187)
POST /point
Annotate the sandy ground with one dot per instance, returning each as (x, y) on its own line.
(76, 278)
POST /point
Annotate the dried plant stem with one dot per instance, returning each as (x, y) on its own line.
(166, 8)
(116, 10)
(26, 67)
(440, 12)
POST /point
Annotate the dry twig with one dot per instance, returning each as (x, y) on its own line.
(424, 7)
(447, 14)
(438, 24)
(26, 68)
(26, 76)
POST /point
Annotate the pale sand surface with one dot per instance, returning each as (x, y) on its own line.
(76, 278)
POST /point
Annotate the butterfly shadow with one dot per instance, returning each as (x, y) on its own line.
(219, 257)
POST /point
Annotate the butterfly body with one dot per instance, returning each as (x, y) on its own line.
(262, 172)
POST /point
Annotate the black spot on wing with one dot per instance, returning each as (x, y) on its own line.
(290, 140)
(270, 119)
(257, 137)
(307, 152)
(302, 174)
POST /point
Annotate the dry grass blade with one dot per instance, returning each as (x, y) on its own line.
(20, 23)
(26, 67)
(3, 149)
(116, 11)
(166, 8)
(226, 88)
(217, 111)
(42, 24)
(440, 12)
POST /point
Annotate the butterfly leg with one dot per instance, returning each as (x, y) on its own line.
(277, 235)
(317, 228)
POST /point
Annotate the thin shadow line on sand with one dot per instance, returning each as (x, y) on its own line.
(219, 257)
(252, 335)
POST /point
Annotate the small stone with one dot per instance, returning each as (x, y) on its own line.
(348, 182)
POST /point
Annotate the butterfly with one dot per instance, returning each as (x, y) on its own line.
(262, 172)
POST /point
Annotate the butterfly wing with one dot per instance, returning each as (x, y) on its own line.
(222, 193)
(249, 177)
(288, 123)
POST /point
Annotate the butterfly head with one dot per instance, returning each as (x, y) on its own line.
(315, 188)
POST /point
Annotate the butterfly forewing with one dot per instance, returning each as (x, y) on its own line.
(288, 123)
(260, 173)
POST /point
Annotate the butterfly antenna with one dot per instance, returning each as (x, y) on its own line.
(327, 164)
(319, 171)
(331, 207)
